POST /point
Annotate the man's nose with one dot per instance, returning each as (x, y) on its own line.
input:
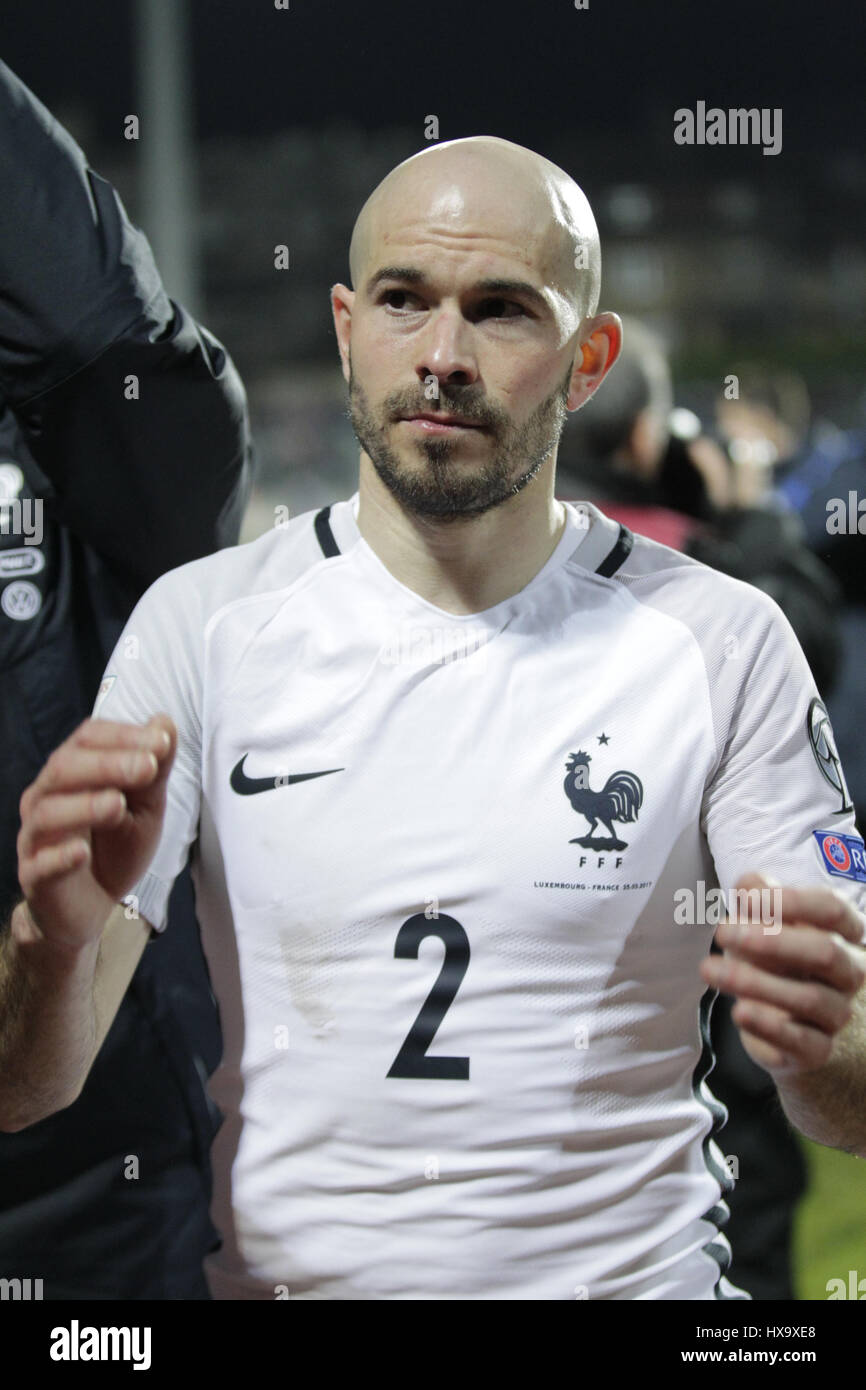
(446, 351)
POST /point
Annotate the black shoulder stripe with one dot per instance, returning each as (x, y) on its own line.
(618, 556)
(324, 534)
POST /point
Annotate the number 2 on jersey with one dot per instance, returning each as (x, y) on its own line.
(412, 1059)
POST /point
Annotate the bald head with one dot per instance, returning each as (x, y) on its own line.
(487, 191)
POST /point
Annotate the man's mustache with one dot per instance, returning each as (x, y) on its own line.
(470, 409)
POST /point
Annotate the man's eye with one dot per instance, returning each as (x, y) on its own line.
(500, 309)
(399, 299)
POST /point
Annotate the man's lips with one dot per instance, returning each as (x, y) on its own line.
(434, 423)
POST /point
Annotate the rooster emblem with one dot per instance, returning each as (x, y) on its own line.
(620, 799)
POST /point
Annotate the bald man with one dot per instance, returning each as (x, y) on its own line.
(461, 771)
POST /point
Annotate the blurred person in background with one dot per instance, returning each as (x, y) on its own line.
(124, 451)
(654, 469)
(806, 466)
(680, 489)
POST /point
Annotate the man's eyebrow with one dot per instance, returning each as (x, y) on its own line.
(521, 287)
(411, 275)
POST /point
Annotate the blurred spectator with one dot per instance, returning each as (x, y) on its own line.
(812, 469)
(678, 486)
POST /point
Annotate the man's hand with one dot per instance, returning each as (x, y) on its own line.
(794, 980)
(90, 824)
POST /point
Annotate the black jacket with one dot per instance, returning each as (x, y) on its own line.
(124, 451)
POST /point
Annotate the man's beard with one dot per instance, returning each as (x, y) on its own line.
(440, 487)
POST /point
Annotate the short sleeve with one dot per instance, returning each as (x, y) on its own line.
(155, 669)
(777, 802)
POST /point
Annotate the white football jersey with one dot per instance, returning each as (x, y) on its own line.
(454, 876)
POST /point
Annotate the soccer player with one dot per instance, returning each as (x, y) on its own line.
(450, 757)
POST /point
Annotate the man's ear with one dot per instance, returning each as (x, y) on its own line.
(342, 302)
(598, 347)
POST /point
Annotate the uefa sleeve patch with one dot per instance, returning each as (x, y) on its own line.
(844, 856)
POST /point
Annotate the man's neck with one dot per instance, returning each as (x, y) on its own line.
(463, 566)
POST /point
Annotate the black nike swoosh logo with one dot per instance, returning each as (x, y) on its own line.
(249, 786)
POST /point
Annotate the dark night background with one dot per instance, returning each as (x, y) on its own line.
(521, 71)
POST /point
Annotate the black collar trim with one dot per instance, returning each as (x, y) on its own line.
(609, 565)
(324, 534)
(618, 556)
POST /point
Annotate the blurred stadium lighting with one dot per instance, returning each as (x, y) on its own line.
(630, 207)
(684, 424)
